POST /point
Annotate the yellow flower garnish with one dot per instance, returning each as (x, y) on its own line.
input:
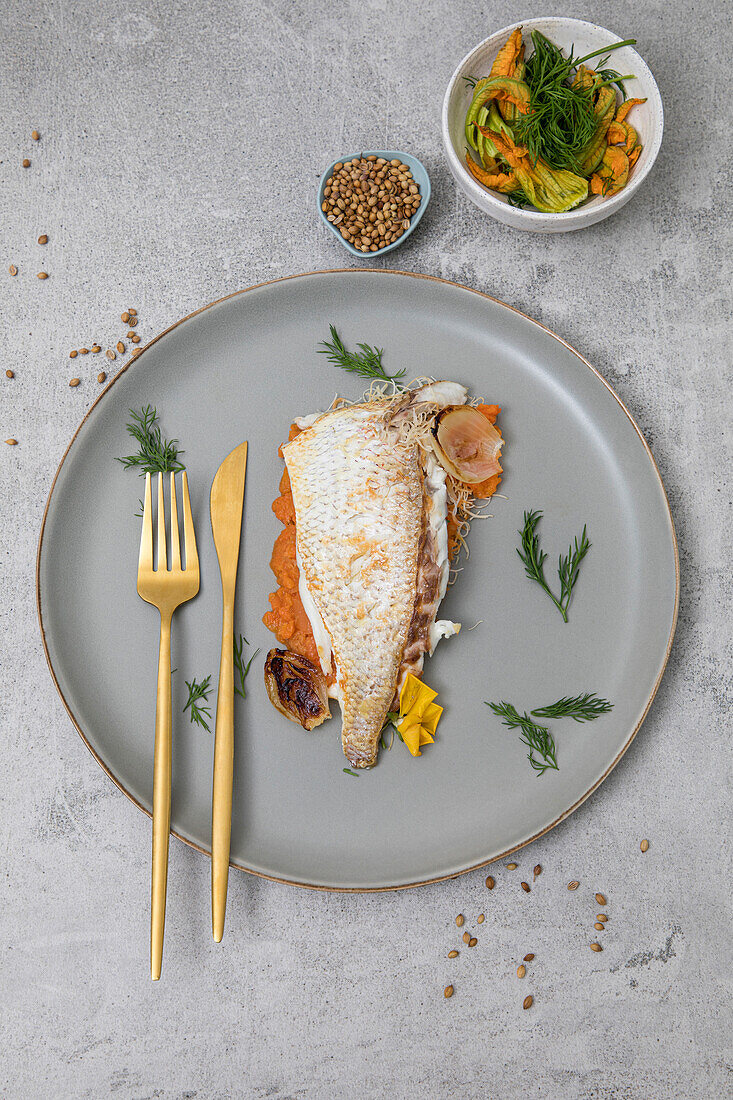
(419, 715)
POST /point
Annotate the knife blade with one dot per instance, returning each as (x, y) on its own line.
(226, 505)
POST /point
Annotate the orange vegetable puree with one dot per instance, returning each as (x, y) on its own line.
(287, 618)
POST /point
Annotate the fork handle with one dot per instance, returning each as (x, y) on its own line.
(221, 802)
(161, 798)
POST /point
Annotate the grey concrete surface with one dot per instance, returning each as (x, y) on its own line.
(180, 148)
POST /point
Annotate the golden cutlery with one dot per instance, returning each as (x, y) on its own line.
(227, 503)
(165, 589)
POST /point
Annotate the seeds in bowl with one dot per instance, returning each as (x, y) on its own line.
(371, 201)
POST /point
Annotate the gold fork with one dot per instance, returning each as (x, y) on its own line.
(165, 589)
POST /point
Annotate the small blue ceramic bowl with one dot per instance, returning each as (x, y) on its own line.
(418, 174)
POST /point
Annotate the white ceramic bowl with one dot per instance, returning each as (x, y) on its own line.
(647, 119)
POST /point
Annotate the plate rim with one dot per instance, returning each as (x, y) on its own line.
(482, 863)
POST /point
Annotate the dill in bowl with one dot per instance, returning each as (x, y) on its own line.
(547, 129)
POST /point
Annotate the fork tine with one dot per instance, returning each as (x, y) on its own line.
(162, 556)
(189, 535)
(145, 561)
(175, 541)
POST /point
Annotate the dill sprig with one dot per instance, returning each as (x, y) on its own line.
(470, 81)
(367, 362)
(537, 738)
(155, 455)
(581, 708)
(200, 713)
(241, 667)
(561, 123)
(534, 557)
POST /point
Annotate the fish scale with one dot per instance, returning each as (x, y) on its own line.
(358, 503)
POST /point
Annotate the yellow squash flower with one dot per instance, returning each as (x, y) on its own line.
(419, 714)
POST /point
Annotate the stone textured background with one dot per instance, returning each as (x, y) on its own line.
(181, 144)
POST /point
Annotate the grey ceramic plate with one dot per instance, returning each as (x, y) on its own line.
(242, 369)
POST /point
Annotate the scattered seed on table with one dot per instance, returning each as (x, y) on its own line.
(43, 239)
(110, 354)
(490, 882)
(83, 351)
(96, 348)
(26, 162)
(448, 991)
(459, 920)
(132, 320)
(131, 334)
(13, 269)
(528, 1001)
(600, 899)
(573, 885)
(512, 866)
(452, 954)
(526, 887)
(73, 354)
(602, 918)
(598, 926)
(480, 918)
(12, 442)
(35, 135)
(125, 316)
(644, 845)
(466, 937)
(528, 958)
(135, 338)
(101, 376)
(472, 942)
(132, 312)
(521, 971)
(42, 274)
(596, 947)
(74, 382)
(538, 870)
(120, 347)
(9, 374)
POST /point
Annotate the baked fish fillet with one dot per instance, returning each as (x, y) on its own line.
(358, 499)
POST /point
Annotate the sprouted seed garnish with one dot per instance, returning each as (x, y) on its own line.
(196, 705)
(155, 454)
(568, 566)
(367, 362)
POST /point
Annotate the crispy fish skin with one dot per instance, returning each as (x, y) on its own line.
(358, 501)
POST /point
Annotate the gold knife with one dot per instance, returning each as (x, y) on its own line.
(227, 503)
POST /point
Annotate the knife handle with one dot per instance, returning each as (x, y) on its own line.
(221, 801)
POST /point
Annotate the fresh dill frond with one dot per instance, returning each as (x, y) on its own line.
(569, 567)
(199, 712)
(155, 455)
(534, 557)
(470, 81)
(610, 76)
(141, 509)
(241, 667)
(581, 708)
(518, 199)
(367, 362)
(537, 738)
(561, 123)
